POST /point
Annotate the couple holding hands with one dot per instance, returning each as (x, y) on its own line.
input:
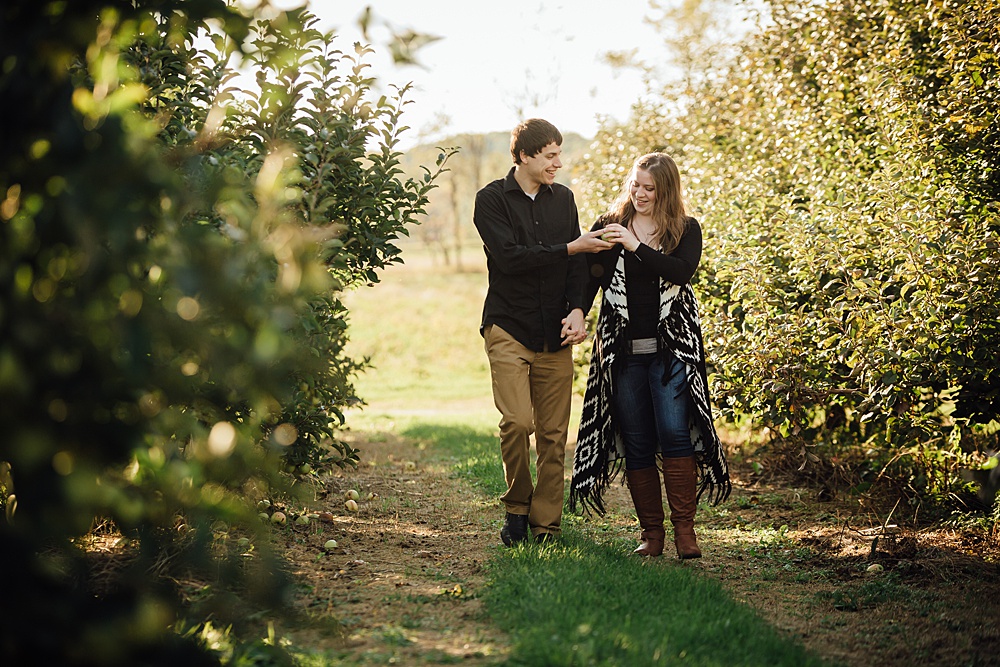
(646, 406)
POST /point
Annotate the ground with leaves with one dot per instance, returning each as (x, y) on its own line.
(405, 578)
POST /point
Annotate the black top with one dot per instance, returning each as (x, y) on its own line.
(643, 270)
(642, 292)
(533, 281)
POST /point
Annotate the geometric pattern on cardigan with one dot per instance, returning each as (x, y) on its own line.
(599, 455)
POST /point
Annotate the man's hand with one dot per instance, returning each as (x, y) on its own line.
(574, 328)
(588, 242)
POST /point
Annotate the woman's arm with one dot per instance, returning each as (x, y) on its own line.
(679, 266)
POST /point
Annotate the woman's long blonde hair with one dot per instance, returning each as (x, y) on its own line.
(668, 208)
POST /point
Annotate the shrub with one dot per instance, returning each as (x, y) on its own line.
(844, 169)
(171, 250)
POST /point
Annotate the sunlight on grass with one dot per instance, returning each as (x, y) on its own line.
(474, 451)
(467, 444)
(586, 602)
(420, 328)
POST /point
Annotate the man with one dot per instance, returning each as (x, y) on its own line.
(533, 314)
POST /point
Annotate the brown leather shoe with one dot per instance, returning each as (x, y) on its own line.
(680, 479)
(644, 486)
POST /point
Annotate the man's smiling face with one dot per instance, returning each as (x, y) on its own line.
(542, 168)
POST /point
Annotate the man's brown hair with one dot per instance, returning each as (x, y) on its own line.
(531, 136)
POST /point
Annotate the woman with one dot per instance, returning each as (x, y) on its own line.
(647, 391)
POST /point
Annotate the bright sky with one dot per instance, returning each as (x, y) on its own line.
(543, 56)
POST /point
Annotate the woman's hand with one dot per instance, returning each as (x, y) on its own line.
(574, 329)
(615, 233)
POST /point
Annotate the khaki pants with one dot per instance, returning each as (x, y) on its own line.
(533, 392)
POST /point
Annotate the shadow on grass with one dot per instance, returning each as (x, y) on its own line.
(587, 602)
(474, 452)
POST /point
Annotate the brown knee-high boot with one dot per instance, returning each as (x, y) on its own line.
(644, 485)
(680, 479)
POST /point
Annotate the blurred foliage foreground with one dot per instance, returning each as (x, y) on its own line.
(173, 239)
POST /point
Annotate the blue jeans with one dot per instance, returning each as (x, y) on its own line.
(652, 416)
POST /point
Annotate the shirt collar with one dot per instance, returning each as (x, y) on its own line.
(510, 184)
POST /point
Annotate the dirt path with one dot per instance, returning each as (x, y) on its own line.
(405, 577)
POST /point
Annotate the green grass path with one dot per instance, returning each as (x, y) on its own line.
(587, 601)
(584, 600)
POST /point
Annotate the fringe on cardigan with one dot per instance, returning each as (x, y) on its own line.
(599, 456)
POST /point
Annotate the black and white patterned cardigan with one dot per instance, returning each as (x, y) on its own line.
(599, 452)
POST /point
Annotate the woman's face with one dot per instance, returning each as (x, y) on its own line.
(643, 192)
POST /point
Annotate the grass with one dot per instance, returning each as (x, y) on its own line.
(474, 452)
(885, 589)
(586, 601)
(583, 600)
(420, 329)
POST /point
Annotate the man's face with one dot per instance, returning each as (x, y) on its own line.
(542, 168)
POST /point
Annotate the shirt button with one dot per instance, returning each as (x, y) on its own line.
(537, 223)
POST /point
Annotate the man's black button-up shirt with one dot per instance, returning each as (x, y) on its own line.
(533, 281)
